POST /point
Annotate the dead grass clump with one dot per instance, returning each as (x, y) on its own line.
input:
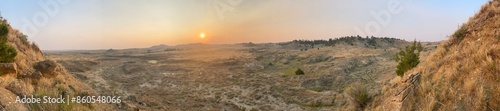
(358, 95)
(492, 60)
(47, 88)
(19, 87)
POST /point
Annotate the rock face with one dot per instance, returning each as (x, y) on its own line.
(36, 75)
(77, 65)
(8, 68)
(5, 97)
(48, 68)
(253, 67)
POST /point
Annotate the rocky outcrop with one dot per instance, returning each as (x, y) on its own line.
(408, 86)
(255, 66)
(8, 68)
(48, 68)
(5, 101)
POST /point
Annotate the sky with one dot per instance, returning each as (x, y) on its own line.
(118, 24)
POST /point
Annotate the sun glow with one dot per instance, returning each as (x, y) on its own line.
(202, 35)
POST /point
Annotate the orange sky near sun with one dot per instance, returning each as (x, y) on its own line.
(89, 24)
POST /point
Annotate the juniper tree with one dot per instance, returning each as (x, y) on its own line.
(7, 53)
(408, 57)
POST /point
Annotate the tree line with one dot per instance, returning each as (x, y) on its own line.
(351, 40)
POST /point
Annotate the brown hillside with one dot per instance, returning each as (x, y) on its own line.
(32, 74)
(464, 72)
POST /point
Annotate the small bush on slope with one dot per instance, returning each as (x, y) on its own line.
(408, 57)
(358, 95)
(7, 53)
(299, 72)
(460, 33)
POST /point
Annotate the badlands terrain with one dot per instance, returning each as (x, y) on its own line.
(244, 76)
(461, 74)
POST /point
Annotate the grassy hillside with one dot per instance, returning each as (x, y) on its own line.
(30, 73)
(463, 73)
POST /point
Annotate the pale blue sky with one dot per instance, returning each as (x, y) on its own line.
(103, 24)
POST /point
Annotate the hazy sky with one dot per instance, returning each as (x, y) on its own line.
(103, 24)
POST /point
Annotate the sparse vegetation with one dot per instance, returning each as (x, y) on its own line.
(4, 30)
(299, 72)
(358, 95)
(371, 41)
(7, 53)
(24, 39)
(35, 46)
(60, 90)
(408, 57)
(350, 40)
(459, 34)
(327, 74)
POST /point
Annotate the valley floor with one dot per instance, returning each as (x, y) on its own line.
(233, 77)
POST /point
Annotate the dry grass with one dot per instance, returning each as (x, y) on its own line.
(463, 73)
(358, 95)
(54, 88)
(6, 80)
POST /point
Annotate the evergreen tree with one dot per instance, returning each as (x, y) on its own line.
(7, 53)
(299, 72)
(408, 57)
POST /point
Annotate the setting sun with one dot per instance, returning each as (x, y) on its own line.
(202, 35)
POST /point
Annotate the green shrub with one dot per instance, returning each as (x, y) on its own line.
(299, 72)
(358, 95)
(408, 58)
(460, 33)
(7, 53)
(4, 31)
